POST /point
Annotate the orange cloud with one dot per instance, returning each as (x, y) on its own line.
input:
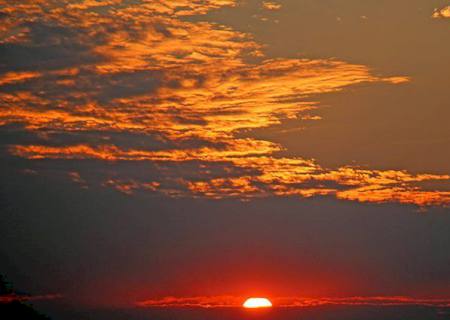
(202, 76)
(271, 175)
(129, 186)
(15, 77)
(244, 147)
(442, 13)
(270, 5)
(147, 71)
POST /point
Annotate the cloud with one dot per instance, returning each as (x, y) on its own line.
(291, 302)
(266, 175)
(270, 5)
(441, 13)
(17, 77)
(117, 68)
(196, 302)
(18, 297)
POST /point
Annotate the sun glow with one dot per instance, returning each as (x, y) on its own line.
(253, 303)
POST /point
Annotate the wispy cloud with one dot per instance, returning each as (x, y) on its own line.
(266, 175)
(18, 297)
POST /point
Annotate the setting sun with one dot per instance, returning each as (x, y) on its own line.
(253, 303)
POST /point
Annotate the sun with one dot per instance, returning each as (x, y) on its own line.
(253, 303)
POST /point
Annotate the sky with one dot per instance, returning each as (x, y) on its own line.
(172, 153)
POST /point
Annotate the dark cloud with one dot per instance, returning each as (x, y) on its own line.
(48, 47)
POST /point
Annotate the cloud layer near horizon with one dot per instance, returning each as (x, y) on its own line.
(290, 302)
